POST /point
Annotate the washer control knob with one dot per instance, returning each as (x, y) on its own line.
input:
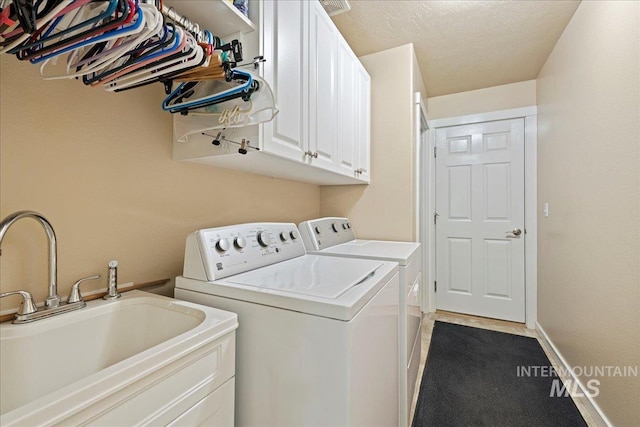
(264, 239)
(348, 225)
(240, 242)
(293, 235)
(344, 226)
(223, 245)
(284, 236)
(318, 231)
(334, 227)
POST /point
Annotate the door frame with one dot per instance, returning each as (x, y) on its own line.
(427, 197)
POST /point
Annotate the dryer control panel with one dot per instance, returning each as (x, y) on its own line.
(323, 233)
(215, 253)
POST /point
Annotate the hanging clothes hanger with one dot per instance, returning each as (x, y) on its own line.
(260, 108)
(100, 52)
(179, 45)
(125, 44)
(15, 35)
(124, 14)
(68, 20)
(133, 26)
(191, 55)
(240, 84)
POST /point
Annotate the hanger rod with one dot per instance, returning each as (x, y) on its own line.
(184, 22)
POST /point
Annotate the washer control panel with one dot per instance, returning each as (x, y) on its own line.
(215, 253)
(324, 233)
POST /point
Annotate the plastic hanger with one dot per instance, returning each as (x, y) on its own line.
(121, 17)
(105, 49)
(66, 23)
(192, 55)
(179, 44)
(229, 114)
(210, 92)
(17, 36)
(135, 26)
(167, 77)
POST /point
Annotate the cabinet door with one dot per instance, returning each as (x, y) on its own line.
(347, 119)
(285, 48)
(322, 88)
(363, 133)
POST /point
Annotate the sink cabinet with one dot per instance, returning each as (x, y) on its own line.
(321, 134)
(139, 360)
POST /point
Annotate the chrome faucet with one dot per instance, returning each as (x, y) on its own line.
(28, 311)
(53, 300)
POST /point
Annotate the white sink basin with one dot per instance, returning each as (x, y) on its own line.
(51, 366)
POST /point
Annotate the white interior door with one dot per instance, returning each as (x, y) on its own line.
(480, 219)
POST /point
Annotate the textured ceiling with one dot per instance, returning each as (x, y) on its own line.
(461, 45)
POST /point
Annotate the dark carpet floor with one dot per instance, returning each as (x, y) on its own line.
(471, 379)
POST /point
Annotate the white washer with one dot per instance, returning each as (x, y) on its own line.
(335, 237)
(317, 335)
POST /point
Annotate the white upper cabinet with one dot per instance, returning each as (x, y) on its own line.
(346, 108)
(319, 86)
(363, 123)
(322, 88)
(321, 132)
(285, 38)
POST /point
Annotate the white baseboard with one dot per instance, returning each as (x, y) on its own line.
(587, 401)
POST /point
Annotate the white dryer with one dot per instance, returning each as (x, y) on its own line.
(316, 336)
(335, 237)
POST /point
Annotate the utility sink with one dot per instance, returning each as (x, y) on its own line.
(80, 366)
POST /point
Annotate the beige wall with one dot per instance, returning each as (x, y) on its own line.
(589, 173)
(98, 166)
(505, 97)
(385, 208)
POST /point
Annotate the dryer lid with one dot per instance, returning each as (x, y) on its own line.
(400, 252)
(310, 275)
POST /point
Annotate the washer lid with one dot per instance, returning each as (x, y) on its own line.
(400, 252)
(316, 276)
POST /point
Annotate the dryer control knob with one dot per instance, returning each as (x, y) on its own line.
(344, 226)
(284, 236)
(334, 227)
(264, 239)
(318, 231)
(240, 242)
(293, 235)
(223, 245)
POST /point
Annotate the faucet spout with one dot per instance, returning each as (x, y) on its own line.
(53, 300)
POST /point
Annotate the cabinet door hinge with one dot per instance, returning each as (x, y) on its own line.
(435, 151)
(435, 218)
(435, 286)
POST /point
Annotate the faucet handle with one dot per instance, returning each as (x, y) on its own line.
(27, 306)
(75, 295)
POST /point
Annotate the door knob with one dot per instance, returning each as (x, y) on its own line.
(515, 232)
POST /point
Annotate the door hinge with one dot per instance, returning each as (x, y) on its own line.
(435, 151)
(435, 218)
(435, 286)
